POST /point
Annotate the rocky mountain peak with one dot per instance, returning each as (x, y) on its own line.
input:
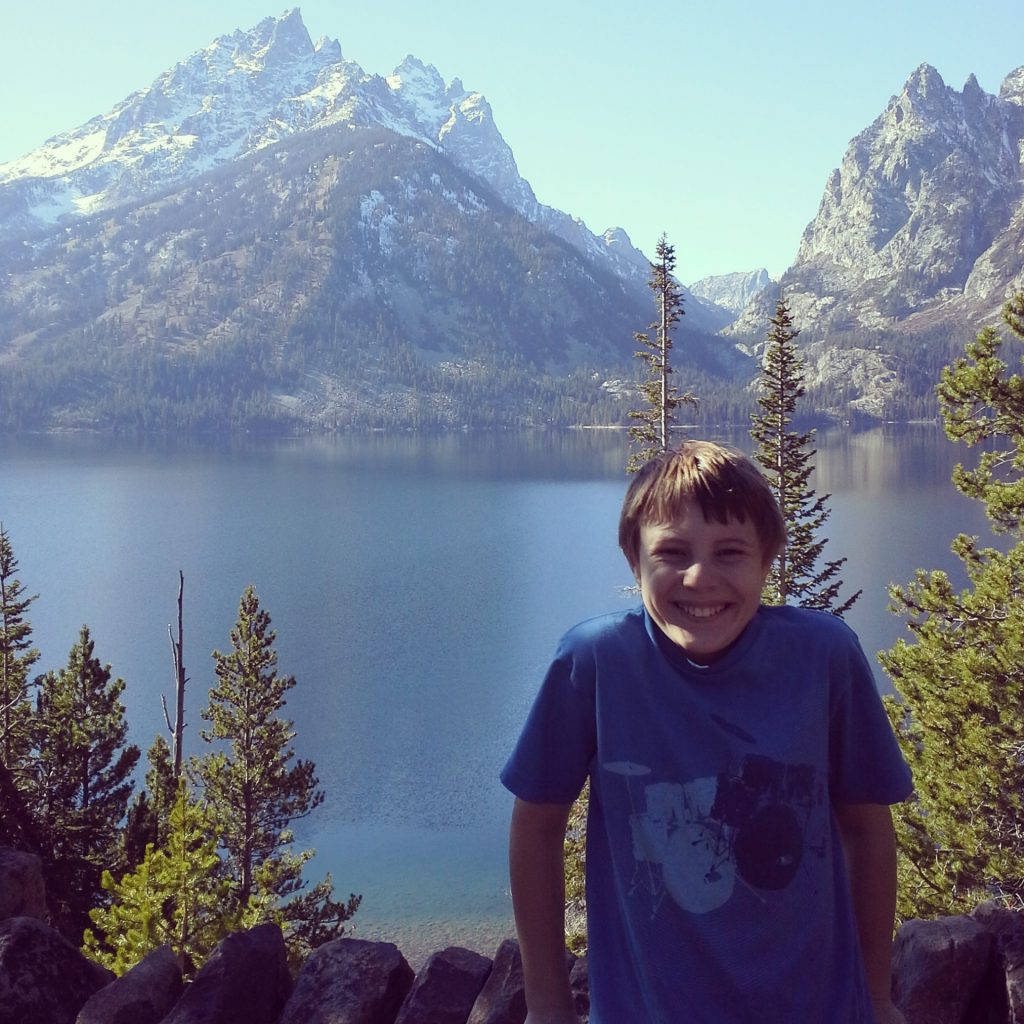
(420, 90)
(252, 89)
(925, 84)
(1012, 89)
(919, 218)
(329, 49)
(276, 41)
(732, 291)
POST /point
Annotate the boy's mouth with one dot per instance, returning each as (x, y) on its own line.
(701, 611)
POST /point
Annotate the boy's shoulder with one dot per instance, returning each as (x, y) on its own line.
(791, 625)
(794, 616)
(610, 628)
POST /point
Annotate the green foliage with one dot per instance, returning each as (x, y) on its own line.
(178, 895)
(148, 817)
(960, 678)
(652, 431)
(798, 575)
(255, 790)
(17, 656)
(575, 856)
(81, 781)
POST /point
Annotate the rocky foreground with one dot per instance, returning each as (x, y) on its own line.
(953, 970)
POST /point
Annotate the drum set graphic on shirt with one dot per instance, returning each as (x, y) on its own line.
(695, 841)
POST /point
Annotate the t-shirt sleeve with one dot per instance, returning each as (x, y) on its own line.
(866, 764)
(552, 757)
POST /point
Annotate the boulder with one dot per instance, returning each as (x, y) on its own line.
(22, 890)
(143, 995)
(446, 988)
(1007, 930)
(350, 981)
(502, 1000)
(245, 981)
(579, 982)
(43, 978)
(942, 971)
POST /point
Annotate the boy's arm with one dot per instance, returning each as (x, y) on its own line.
(869, 845)
(537, 872)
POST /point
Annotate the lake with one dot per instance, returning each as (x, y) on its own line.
(418, 586)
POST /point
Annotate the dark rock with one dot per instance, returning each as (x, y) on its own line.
(1007, 930)
(43, 978)
(22, 890)
(579, 982)
(941, 969)
(446, 988)
(502, 1000)
(350, 981)
(245, 981)
(143, 995)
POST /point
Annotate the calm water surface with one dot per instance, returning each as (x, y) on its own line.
(417, 586)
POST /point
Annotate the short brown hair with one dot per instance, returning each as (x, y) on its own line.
(724, 483)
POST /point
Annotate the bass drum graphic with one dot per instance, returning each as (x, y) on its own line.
(769, 846)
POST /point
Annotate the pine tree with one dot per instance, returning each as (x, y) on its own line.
(17, 656)
(178, 894)
(149, 815)
(81, 781)
(652, 432)
(960, 677)
(256, 790)
(798, 574)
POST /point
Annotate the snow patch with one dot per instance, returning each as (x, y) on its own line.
(61, 155)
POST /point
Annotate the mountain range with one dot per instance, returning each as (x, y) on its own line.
(270, 235)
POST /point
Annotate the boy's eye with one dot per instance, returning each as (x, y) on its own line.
(674, 553)
(733, 552)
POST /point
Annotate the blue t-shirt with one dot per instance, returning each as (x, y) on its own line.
(716, 887)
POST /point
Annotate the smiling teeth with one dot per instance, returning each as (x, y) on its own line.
(702, 611)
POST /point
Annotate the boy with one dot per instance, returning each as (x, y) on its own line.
(740, 852)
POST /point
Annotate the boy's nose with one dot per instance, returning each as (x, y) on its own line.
(693, 573)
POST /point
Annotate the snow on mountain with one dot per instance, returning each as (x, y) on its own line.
(255, 88)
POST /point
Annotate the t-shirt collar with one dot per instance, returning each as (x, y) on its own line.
(677, 656)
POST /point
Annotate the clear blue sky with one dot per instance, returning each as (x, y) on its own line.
(717, 123)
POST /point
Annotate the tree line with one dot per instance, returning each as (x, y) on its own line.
(205, 847)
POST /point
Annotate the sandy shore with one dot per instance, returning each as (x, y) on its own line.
(419, 939)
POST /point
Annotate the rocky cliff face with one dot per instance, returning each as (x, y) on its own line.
(922, 222)
(732, 292)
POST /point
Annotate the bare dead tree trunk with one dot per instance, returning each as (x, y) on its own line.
(177, 649)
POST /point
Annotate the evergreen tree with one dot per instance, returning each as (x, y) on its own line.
(652, 433)
(960, 677)
(798, 574)
(81, 781)
(256, 790)
(17, 656)
(178, 895)
(149, 814)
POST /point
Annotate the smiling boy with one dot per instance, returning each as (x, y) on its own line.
(740, 854)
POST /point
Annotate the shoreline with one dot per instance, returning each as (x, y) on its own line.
(418, 940)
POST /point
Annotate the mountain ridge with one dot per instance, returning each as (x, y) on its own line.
(250, 89)
(922, 223)
(269, 234)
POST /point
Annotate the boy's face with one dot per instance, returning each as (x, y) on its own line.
(700, 581)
